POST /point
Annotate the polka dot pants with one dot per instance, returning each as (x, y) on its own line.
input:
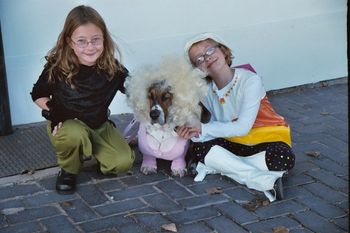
(279, 155)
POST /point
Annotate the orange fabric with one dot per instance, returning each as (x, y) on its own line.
(267, 115)
(268, 127)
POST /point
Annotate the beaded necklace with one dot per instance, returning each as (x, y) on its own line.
(227, 94)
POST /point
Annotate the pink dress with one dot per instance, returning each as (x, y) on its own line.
(161, 142)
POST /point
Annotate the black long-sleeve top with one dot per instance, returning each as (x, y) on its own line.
(88, 101)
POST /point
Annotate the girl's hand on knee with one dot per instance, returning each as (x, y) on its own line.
(56, 128)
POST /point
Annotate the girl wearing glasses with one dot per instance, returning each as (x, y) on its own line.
(78, 83)
(245, 138)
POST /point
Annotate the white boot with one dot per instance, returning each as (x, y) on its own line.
(251, 171)
(202, 171)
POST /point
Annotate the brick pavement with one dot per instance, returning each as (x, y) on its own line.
(316, 189)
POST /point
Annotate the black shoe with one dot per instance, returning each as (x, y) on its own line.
(191, 169)
(278, 186)
(65, 182)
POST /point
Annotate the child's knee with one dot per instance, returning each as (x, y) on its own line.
(122, 163)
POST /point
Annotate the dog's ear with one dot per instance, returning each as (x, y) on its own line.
(205, 114)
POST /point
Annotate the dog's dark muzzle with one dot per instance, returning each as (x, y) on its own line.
(154, 114)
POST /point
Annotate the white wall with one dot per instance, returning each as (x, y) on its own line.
(288, 42)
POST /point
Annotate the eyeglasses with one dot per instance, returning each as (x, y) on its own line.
(83, 43)
(199, 61)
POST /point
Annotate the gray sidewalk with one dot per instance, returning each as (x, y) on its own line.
(316, 190)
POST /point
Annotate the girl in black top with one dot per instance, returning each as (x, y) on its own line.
(78, 83)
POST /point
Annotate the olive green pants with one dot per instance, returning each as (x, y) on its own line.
(75, 140)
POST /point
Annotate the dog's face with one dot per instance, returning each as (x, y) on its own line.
(160, 99)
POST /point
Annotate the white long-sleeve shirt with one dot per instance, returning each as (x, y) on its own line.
(237, 115)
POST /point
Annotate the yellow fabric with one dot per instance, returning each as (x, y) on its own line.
(265, 134)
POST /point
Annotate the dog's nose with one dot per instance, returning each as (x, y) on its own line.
(154, 114)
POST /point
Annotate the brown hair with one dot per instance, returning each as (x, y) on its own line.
(62, 59)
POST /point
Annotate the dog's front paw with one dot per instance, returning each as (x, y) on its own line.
(178, 172)
(148, 170)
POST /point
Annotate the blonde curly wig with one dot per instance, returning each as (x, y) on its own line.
(188, 87)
